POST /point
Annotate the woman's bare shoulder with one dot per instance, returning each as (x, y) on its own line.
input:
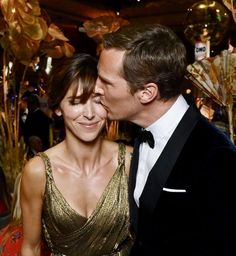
(114, 150)
(34, 170)
(113, 146)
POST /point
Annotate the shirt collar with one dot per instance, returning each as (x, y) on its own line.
(170, 119)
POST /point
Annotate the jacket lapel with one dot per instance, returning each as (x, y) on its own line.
(162, 168)
(132, 180)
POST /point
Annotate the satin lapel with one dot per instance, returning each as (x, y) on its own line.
(132, 180)
(162, 168)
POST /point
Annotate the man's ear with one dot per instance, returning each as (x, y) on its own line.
(148, 93)
(58, 111)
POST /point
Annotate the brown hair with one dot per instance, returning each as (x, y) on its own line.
(153, 53)
(81, 69)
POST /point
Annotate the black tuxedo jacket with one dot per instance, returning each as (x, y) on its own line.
(188, 205)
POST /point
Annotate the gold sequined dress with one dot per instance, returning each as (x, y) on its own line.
(104, 233)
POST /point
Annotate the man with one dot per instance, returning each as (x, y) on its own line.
(182, 191)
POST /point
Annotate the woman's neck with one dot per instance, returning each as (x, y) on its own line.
(84, 156)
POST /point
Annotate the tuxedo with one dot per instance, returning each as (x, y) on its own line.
(188, 204)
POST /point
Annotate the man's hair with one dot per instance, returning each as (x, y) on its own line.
(153, 53)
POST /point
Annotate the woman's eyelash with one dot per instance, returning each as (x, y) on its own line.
(74, 102)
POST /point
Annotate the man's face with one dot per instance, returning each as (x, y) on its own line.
(116, 96)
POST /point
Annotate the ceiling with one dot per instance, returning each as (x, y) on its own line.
(69, 15)
(77, 11)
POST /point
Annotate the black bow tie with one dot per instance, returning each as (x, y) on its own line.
(146, 136)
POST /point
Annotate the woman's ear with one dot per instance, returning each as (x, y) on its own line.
(58, 112)
(148, 93)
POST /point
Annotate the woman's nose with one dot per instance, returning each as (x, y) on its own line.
(88, 111)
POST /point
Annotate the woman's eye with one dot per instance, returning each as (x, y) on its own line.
(74, 102)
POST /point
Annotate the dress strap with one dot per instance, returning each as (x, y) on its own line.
(47, 164)
(121, 156)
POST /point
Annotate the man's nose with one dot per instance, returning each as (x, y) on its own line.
(98, 88)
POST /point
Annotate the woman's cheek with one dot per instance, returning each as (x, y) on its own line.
(103, 113)
(74, 111)
(100, 110)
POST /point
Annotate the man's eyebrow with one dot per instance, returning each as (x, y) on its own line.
(104, 79)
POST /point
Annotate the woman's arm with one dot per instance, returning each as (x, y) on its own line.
(32, 190)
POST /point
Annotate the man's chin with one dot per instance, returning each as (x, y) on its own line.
(111, 117)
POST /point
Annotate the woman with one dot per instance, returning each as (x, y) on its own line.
(75, 193)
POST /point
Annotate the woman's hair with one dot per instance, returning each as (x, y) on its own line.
(79, 70)
(153, 53)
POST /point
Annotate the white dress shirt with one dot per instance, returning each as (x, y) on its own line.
(162, 130)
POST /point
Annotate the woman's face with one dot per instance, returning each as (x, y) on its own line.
(85, 121)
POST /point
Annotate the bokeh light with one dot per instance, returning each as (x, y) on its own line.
(206, 20)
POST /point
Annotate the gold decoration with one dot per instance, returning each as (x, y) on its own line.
(206, 20)
(101, 25)
(26, 35)
(231, 5)
(216, 77)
